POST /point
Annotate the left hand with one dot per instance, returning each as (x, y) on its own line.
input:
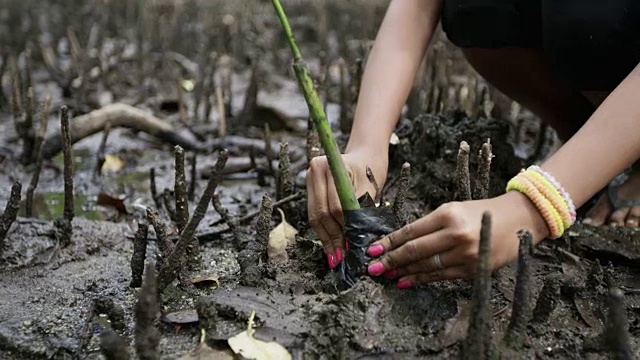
(452, 231)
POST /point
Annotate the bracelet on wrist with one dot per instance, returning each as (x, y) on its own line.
(552, 201)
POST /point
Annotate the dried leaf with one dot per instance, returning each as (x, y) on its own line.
(455, 329)
(590, 311)
(206, 280)
(204, 352)
(112, 163)
(246, 346)
(117, 203)
(181, 317)
(394, 140)
(279, 238)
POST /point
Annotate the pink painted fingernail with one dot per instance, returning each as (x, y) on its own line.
(339, 256)
(375, 250)
(332, 260)
(405, 284)
(390, 274)
(375, 269)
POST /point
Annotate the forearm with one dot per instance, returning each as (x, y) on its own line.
(394, 60)
(607, 144)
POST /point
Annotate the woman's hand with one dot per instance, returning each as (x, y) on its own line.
(452, 232)
(323, 205)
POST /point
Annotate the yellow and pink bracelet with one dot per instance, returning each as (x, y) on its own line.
(551, 199)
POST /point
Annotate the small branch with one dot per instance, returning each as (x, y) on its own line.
(484, 168)
(169, 269)
(462, 172)
(345, 190)
(180, 189)
(139, 255)
(10, 211)
(478, 342)
(101, 151)
(251, 215)
(401, 195)
(147, 337)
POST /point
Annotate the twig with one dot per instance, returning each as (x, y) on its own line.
(484, 167)
(345, 190)
(101, 150)
(251, 215)
(263, 225)
(42, 130)
(521, 311)
(164, 244)
(146, 335)
(180, 189)
(10, 211)
(462, 172)
(478, 341)
(170, 267)
(401, 195)
(285, 178)
(139, 255)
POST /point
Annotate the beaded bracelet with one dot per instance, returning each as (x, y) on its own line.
(551, 200)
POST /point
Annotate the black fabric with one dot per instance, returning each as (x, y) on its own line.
(362, 227)
(592, 44)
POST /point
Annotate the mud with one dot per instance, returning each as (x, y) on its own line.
(57, 301)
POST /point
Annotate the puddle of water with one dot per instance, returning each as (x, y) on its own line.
(50, 206)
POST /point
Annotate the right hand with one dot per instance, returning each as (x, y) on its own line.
(323, 205)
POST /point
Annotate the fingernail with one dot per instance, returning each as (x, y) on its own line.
(405, 284)
(587, 221)
(390, 274)
(339, 256)
(375, 269)
(613, 224)
(375, 250)
(332, 260)
(632, 223)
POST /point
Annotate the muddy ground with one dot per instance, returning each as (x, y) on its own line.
(60, 296)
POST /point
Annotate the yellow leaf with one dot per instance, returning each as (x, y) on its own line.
(246, 346)
(112, 163)
(279, 238)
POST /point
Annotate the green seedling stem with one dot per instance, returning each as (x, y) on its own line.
(341, 177)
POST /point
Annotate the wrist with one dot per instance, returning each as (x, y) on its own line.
(527, 215)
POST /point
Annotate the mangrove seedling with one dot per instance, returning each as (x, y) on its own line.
(361, 226)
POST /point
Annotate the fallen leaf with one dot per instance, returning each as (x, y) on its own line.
(394, 140)
(279, 238)
(117, 203)
(206, 280)
(188, 85)
(181, 317)
(455, 328)
(590, 311)
(112, 163)
(204, 352)
(245, 345)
